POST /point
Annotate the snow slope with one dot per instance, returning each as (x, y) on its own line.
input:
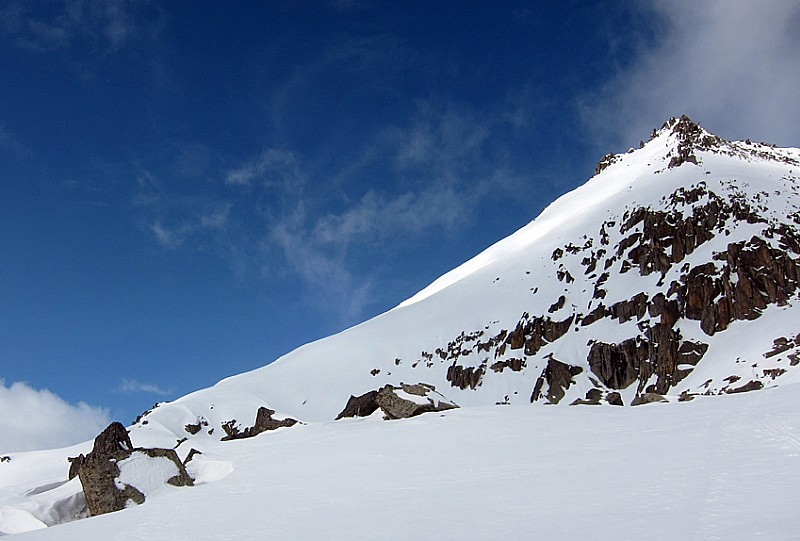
(713, 468)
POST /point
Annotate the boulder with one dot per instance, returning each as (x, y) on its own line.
(359, 406)
(263, 423)
(397, 402)
(647, 398)
(410, 400)
(105, 487)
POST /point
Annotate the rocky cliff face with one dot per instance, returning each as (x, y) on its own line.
(736, 279)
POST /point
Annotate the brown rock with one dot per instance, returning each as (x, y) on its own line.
(558, 376)
(263, 423)
(359, 406)
(98, 471)
(395, 406)
(647, 398)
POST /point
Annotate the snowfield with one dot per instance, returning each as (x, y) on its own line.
(712, 468)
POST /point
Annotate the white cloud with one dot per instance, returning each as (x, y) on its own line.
(133, 386)
(441, 158)
(270, 166)
(38, 419)
(322, 216)
(731, 65)
(198, 218)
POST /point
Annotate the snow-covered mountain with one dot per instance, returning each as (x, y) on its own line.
(672, 273)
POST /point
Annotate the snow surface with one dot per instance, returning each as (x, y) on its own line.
(148, 474)
(712, 468)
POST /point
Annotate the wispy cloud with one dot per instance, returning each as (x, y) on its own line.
(213, 218)
(320, 219)
(133, 386)
(175, 219)
(442, 159)
(38, 419)
(730, 64)
(271, 166)
(111, 24)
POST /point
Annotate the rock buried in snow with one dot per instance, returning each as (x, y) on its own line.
(397, 402)
(647, 398)
(359, 406)
(264, 422)
(115, 473)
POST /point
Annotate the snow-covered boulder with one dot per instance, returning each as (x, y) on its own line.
(114, 473)
(397, 402)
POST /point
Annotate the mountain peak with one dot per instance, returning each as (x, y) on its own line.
(690, 137)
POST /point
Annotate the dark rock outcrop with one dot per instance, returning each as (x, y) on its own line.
(463, 377)
(753, 385)
(515, 364)
(395, 406)
(99, 471)
(360, 406)
(263, 423)
(532, 333)
(558, 377)
(647, 398)
(397, 402)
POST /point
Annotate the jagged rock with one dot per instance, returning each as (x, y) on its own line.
(660, 351)
(691, 137)
(595, 315)
(533, 333)
(397, 402)
(263, 423)
(558, 305)
(617, 365)
(753, 385)
(558, 377)
(604, 162)
(463, 377)
(410, 400)
(75, 463)
(100, 473)
(647, 398)
(779, 345)
(231, 430)
(614, 398)
(359, 406)
(514, 364)
(626, 310)
(774, 372)
(592, 398)
(190, 456)
(192, 428)
(754, 276)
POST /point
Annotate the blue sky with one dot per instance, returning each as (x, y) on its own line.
(189, 190)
